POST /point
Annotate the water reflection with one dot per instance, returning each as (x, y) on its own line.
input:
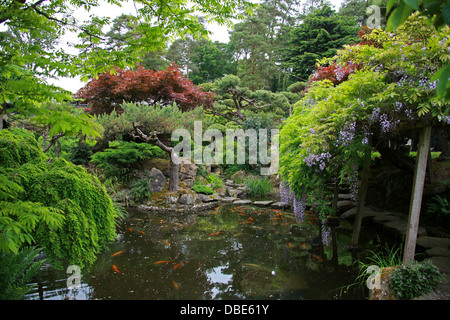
(227, 253)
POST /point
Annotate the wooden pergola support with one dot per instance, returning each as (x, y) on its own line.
(420, 172)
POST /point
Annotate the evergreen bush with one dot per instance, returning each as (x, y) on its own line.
(414, 279)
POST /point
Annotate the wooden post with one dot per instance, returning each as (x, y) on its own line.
(416, 194)
(361, 198)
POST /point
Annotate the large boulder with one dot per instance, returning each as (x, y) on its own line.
(188, 172)
(156, 180)
(187, 199)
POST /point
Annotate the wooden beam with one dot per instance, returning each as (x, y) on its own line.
(416, 194)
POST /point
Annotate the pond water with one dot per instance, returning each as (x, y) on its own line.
(225, 253)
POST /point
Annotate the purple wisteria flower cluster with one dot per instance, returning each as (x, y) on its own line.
(326, 234)
(289, 197)
(299, 208)
(317, 159)
(346, 135)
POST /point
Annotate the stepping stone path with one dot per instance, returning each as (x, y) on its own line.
(436, 249)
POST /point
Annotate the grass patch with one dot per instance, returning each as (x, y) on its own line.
(258, 186)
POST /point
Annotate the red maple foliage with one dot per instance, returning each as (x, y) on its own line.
(336, 73)
(163, 87)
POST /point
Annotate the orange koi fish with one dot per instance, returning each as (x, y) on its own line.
(250, 218)
(117, 253)
(166, 242)
(245, 222)
(215, 233)
(175, 285)
(141, 232)
(303, 246)
(114, 267)
(290, 245)
(129, 229)
(163, 261)
(317, 258)
(175, 267)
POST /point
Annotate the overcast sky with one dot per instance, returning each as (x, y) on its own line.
(219, 33)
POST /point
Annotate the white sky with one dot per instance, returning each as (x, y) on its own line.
(219, 33)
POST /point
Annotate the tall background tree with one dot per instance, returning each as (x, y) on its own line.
(320, 35)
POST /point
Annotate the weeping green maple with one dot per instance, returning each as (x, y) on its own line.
(53, 204)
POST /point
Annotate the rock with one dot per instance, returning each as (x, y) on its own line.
(344, 205)
(430, 242)
(156, 180)
(438, 251)
(188, 172)
(237, 193)
(279, 205)
(400, 227)
(239, 176)
(207, 198)
(229, 199)
(242, 202)
(443, 263)
(171, 198)
(351, 213)
(383, 217)
(344, 196)
(186, 199)
(263, 203)
(275, 180)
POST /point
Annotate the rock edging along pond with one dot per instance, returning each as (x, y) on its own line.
(214, 202)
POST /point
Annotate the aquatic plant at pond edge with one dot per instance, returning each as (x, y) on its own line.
(258, 186)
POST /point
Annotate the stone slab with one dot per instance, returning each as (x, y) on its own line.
(229, 199)
(279, 205)
(430, 242)
(400, 227)
(263, 203)
(242, 202)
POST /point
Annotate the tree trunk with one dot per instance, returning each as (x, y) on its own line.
(174, 161)
(174, 172)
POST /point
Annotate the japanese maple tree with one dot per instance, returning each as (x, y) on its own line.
(337, 73)
(162, 87)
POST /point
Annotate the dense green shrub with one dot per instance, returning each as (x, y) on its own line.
(414, 279)
(121, 157)
(140, 189)
(80, 153)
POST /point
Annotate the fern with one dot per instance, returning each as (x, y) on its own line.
(140, 189)
(16, 271)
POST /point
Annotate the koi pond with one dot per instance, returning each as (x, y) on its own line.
(226, 253)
